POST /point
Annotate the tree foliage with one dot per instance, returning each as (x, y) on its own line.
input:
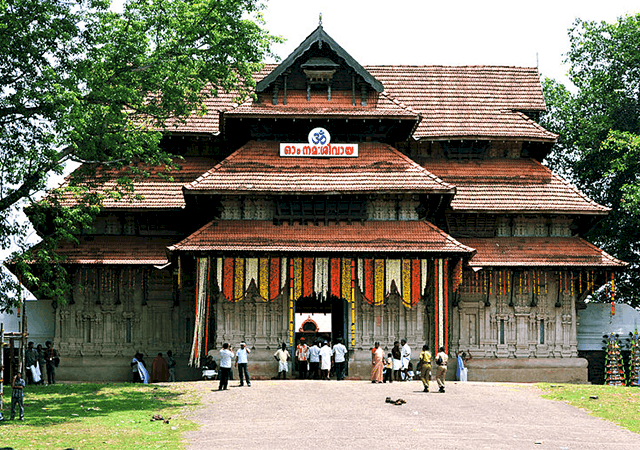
(599, 125)
(81, 82)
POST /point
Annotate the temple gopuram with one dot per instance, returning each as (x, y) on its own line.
(397, 202)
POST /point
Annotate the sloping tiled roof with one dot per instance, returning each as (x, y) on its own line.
(257, 167)
(538, 252)
(369, 236)
(157, 192)
(468, 101)
(340, 105)
(463, 102)
(510, 185)
(116, 250)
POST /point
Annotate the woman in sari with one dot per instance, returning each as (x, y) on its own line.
(377, 363)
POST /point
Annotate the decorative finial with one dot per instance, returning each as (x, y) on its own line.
(320, 20)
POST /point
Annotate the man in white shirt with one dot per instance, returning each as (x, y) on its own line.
(282, 356)
(242, 363)
(340, 356)
(405, 351)
(226, 356)
(325, 360)
(314, 360)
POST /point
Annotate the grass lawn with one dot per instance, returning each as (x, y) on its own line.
(617, 404)
(99, 416)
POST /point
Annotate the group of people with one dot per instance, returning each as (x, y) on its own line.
(314, 361)
(317, 360)
(227, 360)
(397, 366)
(37, 359)
(161, 369)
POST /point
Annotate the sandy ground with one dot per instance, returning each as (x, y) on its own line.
(316, 414)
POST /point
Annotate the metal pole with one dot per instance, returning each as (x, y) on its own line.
(1, 362)
(23, 337)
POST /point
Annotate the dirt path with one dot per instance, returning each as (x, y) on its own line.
(353, 415)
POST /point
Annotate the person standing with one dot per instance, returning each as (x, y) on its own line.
(405, 353)
(31, 363)
(139, 369)
(424, 367)
(52, 360)
(396, 354)
(41, 362)
(226, 356)
(172, 366)
(314, 360)
(17, 396)
(388, 369)
(340, 357)
(441, 369)
(242, 363)
(302, 354)
(461, 371)
(377, 363)
(325, 361)
(282, 356)
(159, 369)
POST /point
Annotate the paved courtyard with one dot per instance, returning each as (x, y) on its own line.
(314, 414)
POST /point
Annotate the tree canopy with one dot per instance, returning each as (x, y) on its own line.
(599, 128)
(81, 82)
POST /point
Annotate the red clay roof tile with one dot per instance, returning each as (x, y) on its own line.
(133, 250)
(538, 252)
(454, 102)
(156, 192)
(257, 167)
(510, 185)
(369, 236)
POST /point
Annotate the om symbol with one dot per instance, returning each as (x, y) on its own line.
(319, 136)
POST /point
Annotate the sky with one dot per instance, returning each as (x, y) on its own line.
(426, 32)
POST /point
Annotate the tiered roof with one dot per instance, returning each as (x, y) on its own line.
(455, 102)
(510, 185)
(369, 236)
(257, 167)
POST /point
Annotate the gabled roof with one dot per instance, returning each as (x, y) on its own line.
(370, 236)
(258, 167)
(154, 192)
(538, 252)
(319, 36)
(510, 185)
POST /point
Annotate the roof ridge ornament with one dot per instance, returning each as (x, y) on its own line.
(320, 20)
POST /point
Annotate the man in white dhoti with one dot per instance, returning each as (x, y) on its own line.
(405, 352)
(325, 360)
(282, 356)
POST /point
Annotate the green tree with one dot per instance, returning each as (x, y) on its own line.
(80, 82)
(598, 125)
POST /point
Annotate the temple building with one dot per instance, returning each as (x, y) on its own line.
(392, 202)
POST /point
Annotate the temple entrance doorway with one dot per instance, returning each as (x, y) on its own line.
(318, 320)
